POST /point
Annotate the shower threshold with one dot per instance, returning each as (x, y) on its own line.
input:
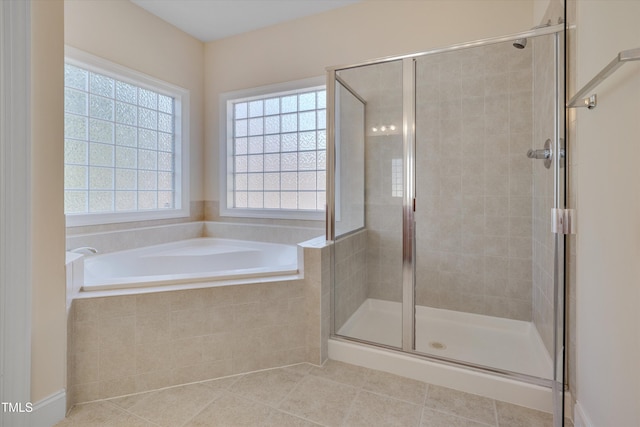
(494, 342)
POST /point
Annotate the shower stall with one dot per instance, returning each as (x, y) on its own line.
(444, 170)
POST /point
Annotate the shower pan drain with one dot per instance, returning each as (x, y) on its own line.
(437, 345)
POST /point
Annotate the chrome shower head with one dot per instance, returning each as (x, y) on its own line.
(520, 43)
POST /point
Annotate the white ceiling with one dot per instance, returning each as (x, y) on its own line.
(209, 20)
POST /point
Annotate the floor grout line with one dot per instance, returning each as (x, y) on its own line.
(308, 374)
(203, 408)
(424, 403)
(495, 411)
(126, 411)
(458, 416)
(350, 408)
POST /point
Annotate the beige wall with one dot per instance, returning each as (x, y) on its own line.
(545, 10)
(608, 214)
(370, 29)
(126, 34)
(48, 337)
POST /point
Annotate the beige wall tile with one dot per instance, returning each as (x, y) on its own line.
(115, 363)
(153, 327)
(153, 303)
(85, 367)
(153, 357)
(116, 307)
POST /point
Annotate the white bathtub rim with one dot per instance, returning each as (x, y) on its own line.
(155, 246)
(166, 280)
(185, 286)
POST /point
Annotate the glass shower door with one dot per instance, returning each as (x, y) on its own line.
(485, 255)
(368, 210)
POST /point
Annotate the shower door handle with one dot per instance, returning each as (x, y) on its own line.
(544, 154)
(539, 154)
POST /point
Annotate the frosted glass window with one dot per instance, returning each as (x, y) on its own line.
(101, 108)
(256, 182)
(148, 118)
(125, 200)
(119, 144)
(307, 121)
(165, 142)
(256, 145)
(289, 142)
(101, 155)
(307, 101)
(126, 135)
(75, 152)
(126, 93)
(272, 106)
(101, 201)
(76, 77)
(307, 141)
(272, 144)
(278, 151)
(75, 101)
(100, 131)
(126, 179)
(126, 113)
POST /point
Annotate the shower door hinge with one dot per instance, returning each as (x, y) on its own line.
(563, 221)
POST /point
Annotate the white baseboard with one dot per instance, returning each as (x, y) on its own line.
(50, 410)
(581, 419)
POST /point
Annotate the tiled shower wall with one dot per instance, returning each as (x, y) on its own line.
(543, 189)
(351, 287)
(474, 125)
(381, 86)
(383, 219)
(474, 181)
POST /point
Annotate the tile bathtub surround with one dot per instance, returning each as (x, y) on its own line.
(317, 276)
(289, 235)
(128, 344)
(336, 394)
(197, 211)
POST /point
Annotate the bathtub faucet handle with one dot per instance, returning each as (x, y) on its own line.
(85, 250)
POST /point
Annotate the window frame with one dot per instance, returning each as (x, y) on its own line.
(92, 63)
(225, 176)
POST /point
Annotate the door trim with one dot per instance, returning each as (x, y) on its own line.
(15, 208)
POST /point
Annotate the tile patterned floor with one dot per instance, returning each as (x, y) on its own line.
(336, 394)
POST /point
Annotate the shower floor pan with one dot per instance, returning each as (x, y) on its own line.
(505, 344)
